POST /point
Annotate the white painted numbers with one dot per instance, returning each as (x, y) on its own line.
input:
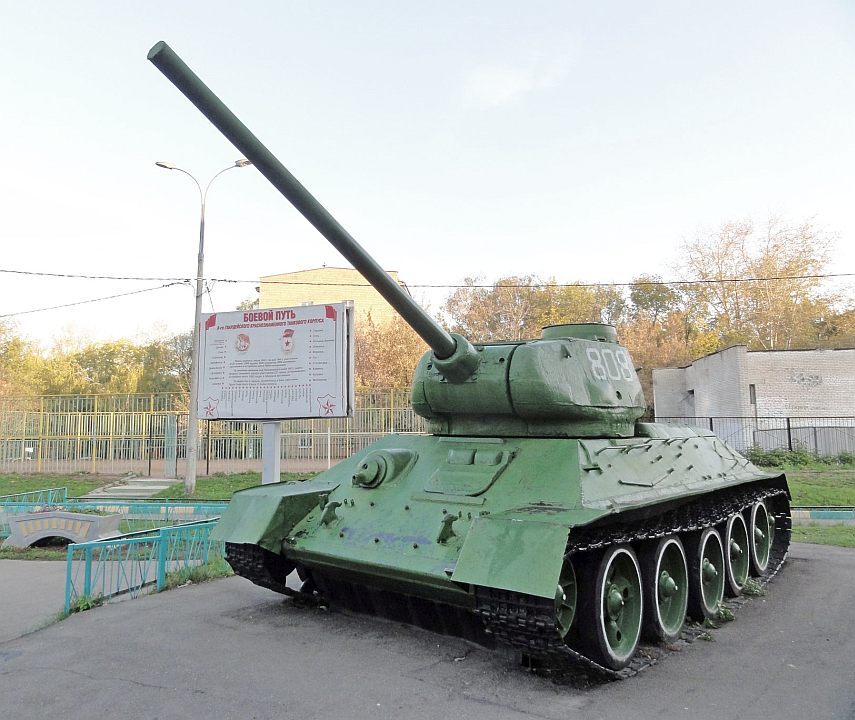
(608, 364)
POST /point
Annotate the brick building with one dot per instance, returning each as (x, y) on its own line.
(810, 392)
(737, 382)
(327, 285)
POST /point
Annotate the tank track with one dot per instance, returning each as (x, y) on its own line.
(527, 623)
(260, 566)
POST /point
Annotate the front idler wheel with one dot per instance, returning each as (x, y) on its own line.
(610, 607)
(706, 573)
(761, 528)
(664, 573)
(565, 599)
(736, 556)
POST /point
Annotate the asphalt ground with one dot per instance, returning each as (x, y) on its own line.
(31, 593)
(228, 649)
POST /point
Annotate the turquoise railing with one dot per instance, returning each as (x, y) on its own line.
(130, 563)
(49, 496)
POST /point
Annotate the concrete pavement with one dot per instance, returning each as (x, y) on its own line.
(131, 487)
(229, 649)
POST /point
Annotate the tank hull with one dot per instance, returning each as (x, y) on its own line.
(450, 522)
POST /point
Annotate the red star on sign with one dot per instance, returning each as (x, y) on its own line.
(328, 408)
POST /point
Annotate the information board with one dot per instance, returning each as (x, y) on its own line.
(277, 363)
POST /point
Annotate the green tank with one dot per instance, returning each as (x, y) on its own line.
(540, 512)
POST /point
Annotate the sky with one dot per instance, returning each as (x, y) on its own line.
(571, 140)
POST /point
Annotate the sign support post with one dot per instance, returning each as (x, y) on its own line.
(271, 457)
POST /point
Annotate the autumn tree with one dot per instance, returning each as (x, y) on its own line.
(760, 286)
(518, 307)
(386, 353)
(835, 330)
(506, 310)
(19, 363)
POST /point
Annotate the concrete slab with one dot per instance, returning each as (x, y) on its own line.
(132, 488)
(229, 649)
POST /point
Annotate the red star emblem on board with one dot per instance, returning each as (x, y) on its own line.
(210, 407)
(327, 405)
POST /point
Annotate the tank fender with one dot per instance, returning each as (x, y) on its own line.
(513, 554)
(265, 515)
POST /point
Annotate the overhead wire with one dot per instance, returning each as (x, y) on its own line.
(442, 286)
(91, 300)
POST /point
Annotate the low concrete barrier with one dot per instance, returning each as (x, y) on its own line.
(29, 528)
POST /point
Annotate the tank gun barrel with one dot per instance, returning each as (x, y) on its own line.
(443, 344)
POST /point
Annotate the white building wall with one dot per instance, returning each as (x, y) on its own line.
(787, 383)
(719, 383)
(671, 397)
(818, 385)
(803, 383)
(713, 385)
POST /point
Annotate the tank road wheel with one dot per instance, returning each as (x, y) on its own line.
(761, 527)
(565, 599)
(706, 573)
(610, 607)
(735, 535)
(666, 588)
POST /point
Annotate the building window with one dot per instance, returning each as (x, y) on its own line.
(752, 394)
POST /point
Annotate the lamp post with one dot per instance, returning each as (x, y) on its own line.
(193, 413)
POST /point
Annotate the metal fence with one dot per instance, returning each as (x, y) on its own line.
(129, 564)
(824, 436)
(146, 435)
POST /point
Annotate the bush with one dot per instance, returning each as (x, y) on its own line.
(780, 458)
(796, 458)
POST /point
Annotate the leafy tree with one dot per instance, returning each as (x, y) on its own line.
(178, 351)
(576, 303)
(651, 299)
(19, 363)
(505, 311)
(765, 310)
(518, 307)
(386, 353)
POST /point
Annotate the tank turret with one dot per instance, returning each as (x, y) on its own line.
(576, 381)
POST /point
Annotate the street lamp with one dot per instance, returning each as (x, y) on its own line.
(193, 415)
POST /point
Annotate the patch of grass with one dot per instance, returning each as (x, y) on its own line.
(86, 602)
(77, 483)
(826, 486)
(839, 534)
(221, 486)
(138, 525)
(36, 553)
(217, 568)
(752, 588)
(725, 615)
